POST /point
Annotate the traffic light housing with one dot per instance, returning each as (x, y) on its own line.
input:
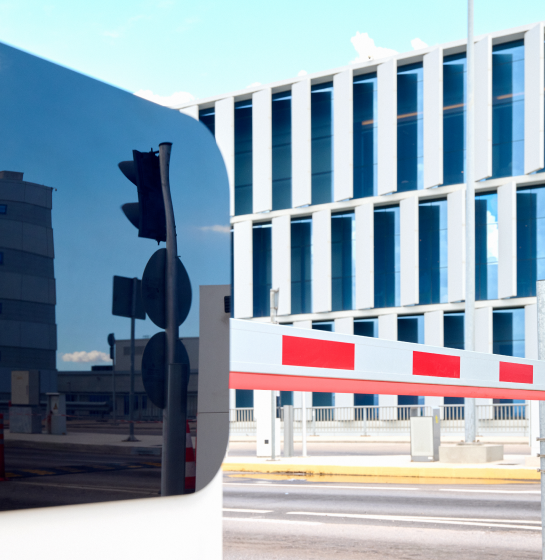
(148, 214)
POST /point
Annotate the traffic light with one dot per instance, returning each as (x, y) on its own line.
(148, 214)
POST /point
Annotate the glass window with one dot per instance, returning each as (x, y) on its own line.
(323, 399)
(301, 265)
(454, 330)
(244, 398)
(530, 239)
(208, 118)
(365, 135)
(486, 246)
(281, 150)
(366, 327)
(343, 245)
(262, 257)
(243, 158)
(508, 332)
(454, 99)
(508, 109)
(3, 208)
(386, 250)
(433, 263)
(410, 151)
(322, 143)
(1, 258)
(410, 329)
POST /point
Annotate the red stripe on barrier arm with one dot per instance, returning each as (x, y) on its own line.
(436, 365)
(516, 373)
(273, 382)
(310, 352)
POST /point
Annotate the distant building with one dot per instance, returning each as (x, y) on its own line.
(28, 333)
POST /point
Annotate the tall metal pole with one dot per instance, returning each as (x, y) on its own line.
(469, 321)
(114, 409)
(131, 391)
(541, 356)
(174, 436)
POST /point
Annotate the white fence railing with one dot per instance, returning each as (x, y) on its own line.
(492, 420)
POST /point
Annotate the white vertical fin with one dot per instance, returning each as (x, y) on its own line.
(387, 326)
(483, 330)
(192, 111)
(243, 270)
(281, 262)
(507, 240)
(262, 150)
(365, 256)
(301, 161)
(387, 127)
(343, 133)
(483, 108)
(321, 261)
(408, 220)
(433, 118)
(225, 138)
(456, 245)
(434, 328)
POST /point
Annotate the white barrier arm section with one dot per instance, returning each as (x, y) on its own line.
(273, 357)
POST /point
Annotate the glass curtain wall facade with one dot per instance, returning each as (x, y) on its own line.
(323, 399)
(365, 135)
(301, 265)
(410, 329)
(530, 240)
(262, 269)
(508, 109)
(410, 127)
(453, 324)
(322, 142)
(454, 102)
(243, 158)
(343, 245)
(433, 252)
(208, 118)
(486, 246)
(386, 256)
(366, 327)
(281, 150)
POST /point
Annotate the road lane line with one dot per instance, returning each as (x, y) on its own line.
(284, 521)
(236, 510)
(491, 491)
(440, 521)
(267, 484)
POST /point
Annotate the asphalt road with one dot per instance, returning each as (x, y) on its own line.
(292, 519)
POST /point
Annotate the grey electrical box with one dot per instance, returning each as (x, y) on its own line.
(425, 437)
(25, 388)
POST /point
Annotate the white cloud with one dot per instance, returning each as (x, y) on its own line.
(366, 49)
(302, 73)
(92, 356)
(216, 228)
(174, 100)
(418, 44)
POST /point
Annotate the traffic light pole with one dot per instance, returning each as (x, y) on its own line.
(174, 414)
(131, 391)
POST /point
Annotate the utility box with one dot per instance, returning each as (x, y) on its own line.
(25, 388)
(425, 437)
(56, 414)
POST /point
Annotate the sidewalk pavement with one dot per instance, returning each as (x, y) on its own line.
(512, 469)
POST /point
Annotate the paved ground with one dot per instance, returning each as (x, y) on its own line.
(266, 519)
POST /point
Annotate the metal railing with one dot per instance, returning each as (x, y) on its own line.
(493, 419)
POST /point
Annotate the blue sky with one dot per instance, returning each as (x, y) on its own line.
(211, 46)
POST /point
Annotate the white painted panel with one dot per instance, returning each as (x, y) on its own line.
(387, 127)
(530, 331)
(263, 417)
(321, 261)
(343, 127)
(225, 139)
(262, 150)
(483, 108)
(434, 328)
(387, 326)
(302, 324)
(364, 255)
(281, 262)
(456, 226)
(483, 330)
(433, 118)
(344, 325)
(192, 111)
(301, 162)
(243, 270)
(507, 240)
(534, 84)
(408, 220)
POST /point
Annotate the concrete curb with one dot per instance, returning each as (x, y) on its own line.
(467, 473)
